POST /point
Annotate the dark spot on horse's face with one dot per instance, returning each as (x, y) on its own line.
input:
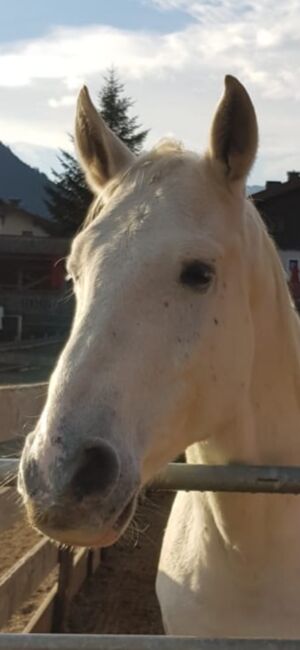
(58, 440)
(166, 304)
(179, 340)
(216, 322)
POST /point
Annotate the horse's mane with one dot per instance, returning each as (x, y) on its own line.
(267, 268)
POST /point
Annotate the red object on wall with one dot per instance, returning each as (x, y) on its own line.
(294, 282)
(57, 274)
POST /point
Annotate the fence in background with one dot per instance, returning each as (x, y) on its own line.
(69, 569)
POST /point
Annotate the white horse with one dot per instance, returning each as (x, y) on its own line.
(184, 337)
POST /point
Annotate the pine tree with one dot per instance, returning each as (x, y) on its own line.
(114, 107)
(69, 197)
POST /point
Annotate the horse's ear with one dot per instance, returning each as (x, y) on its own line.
(101, 152)
(234, 132)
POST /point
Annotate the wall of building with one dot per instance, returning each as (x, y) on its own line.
(281, 215)
(288, 256)
(18, 223)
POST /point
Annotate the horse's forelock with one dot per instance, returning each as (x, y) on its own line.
(157, 160)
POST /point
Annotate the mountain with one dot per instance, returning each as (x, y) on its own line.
(251, 189)
(20, 181)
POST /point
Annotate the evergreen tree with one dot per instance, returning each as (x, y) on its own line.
(69, 197)
(114, 107)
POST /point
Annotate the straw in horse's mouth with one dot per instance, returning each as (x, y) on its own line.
(125, 514)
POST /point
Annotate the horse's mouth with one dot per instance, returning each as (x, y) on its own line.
(61, 526)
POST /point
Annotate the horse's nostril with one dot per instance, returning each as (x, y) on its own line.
(98, 471)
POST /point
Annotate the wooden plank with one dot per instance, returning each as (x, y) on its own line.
(18, 583)
(62, 599)
(72, 573)
(20, 405)
(10, 508)
(79, 572)
(84, 568)
(41, 621)
(94, 559)
(8, 471)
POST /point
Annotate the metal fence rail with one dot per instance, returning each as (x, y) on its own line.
(177, 476)
(202, 478)
(114, 642)
(229, 478)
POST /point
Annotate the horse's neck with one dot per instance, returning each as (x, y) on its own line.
(265, 427)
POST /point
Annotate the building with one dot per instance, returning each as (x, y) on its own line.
(32, 287)
(16, 221)
(33, 301)
(279, 206)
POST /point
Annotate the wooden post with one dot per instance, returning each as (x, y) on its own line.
(62, 598)
(90, 564)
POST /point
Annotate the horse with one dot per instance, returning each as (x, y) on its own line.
(184, 337)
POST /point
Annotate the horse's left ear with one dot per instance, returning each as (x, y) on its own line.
(102, 154)
(234, 132)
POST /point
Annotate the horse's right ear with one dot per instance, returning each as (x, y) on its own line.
(102, 154)
(234, 132)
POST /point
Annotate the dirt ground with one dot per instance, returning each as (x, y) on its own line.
(120, 597)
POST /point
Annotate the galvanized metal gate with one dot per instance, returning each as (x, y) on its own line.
(101, 642)
(177, 476)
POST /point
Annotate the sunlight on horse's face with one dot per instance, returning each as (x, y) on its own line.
(151, 359)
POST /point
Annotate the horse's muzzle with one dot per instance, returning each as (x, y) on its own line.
(85, 500)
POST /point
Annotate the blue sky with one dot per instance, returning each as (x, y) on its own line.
(172, 56)
(30, 18)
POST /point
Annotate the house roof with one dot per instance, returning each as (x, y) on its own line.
(277, 188)
(279, 207)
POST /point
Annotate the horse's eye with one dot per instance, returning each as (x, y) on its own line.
(196, 275)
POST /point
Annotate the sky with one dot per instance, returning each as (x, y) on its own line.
(171, 55)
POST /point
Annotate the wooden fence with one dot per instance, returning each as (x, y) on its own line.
(20, 581)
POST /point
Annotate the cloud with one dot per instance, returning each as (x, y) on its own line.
(72, 55)
(256, 40)
(175, 77)
(65, 100)
(259, 40)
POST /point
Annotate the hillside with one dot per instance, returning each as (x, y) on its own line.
(20, 181)
(252, 189)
